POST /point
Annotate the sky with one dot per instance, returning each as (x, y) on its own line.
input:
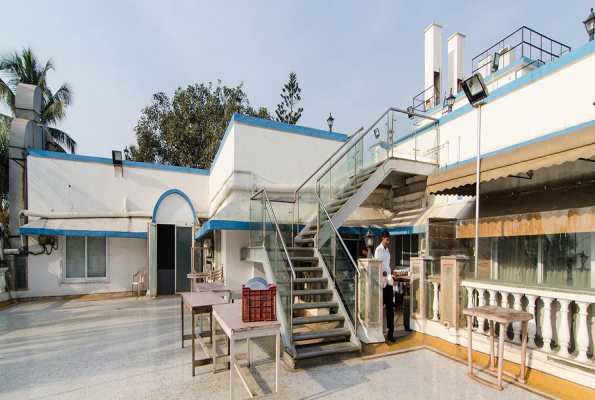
(353, 59)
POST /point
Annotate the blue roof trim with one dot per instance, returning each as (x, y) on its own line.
(514, 146)
(280, 126)
(221, 225)
(573, 56)
(172, 191)
(71, 232)
(102, 160)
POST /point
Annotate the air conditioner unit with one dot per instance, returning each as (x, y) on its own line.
(505, 50)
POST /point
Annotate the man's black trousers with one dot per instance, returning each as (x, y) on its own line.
(387, 296)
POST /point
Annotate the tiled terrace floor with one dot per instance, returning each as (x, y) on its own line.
(130, 349)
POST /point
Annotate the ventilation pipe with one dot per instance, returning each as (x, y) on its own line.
(433, 64)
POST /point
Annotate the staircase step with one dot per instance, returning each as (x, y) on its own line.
(304, 241)
(322, 334)
(318, 318)
(324, 349)
(300, 248)
(301, 258)
(308, 306)
(310, 280)
(311, 232)
(312, 292)
(306, 269)
(346, 194)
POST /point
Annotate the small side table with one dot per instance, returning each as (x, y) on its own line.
(229, 317)
(199, 303)
(215, 287)
(503, 316)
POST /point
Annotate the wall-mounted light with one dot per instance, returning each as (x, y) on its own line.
(330, 121)
(590, 25)
(377, 133)
(475, 89)
(117, 160)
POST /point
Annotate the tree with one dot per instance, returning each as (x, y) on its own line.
(186, 130)
(290, 94)
(25, 68)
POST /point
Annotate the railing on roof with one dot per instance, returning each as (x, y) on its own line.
(426, 100)
(524, 42)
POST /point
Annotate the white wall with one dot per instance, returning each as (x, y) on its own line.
(224, 164)
(236, 272)
(125, 257)
(66, 185)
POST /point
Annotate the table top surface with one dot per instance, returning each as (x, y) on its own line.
(202, 299)
(211, 287)
(499, 314)
(231, 314)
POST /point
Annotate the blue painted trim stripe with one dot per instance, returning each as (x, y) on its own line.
(102, 160)
(172, 191)
(583, 51)
(280, 126)
(221, 225)
(406, 230)
(72, 232)
(515, 146)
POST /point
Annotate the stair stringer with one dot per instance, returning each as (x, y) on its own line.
(330, 284)
(259, 254)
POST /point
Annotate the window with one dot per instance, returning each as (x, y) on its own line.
(85, 259)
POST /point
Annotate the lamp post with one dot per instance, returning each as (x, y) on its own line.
(476, 91)
(590, 25)
(126, 153)
(369, 238)
(238, 103)
(330, 121)
(450, 101)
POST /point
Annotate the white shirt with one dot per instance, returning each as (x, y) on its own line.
(383, 254)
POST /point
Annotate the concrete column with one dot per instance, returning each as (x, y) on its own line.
(433, 64)
(456, 62)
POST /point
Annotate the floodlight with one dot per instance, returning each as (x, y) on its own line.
(116, 157)
(475, 89)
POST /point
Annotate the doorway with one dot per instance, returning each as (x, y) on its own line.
(173, 258)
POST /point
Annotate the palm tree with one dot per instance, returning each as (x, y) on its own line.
(25, 68)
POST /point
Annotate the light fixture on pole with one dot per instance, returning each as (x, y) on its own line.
(496, 62)
(410, 112)
(590, 25)
(126, 153)
(450, 101)
(369, 238)
(476, 91)
(330, 121)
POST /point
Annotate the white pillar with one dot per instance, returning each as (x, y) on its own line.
(546, 329)
(582, 335)
(531, 326)
(517, 326)
(564, 332)
(481, 303)
(435, 304)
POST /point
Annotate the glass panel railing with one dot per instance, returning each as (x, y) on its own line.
(346, 279)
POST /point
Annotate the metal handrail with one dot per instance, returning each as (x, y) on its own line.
(338, 235)
(369, 129)
(263, 190)
(327, 160)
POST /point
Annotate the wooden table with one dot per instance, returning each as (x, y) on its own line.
(199, 303)
(229, 317)
(194, 276)
(503, 316)
(215, 287)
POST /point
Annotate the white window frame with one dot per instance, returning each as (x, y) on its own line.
(85, 279)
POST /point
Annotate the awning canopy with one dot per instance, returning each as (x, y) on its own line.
(571, 146)
(103, 227)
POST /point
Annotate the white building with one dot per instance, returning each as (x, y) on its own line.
(412, 173)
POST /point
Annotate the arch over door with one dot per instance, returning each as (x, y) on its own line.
(174, 206)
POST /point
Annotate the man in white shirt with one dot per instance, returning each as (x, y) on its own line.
(383, 254)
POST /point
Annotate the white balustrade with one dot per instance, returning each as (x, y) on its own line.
(548, 327)
(481, 303)
(435, 303)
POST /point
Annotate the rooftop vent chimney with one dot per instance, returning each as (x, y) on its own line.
(456, 62)
(433, 64)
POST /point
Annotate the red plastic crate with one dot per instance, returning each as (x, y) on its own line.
(259, 305)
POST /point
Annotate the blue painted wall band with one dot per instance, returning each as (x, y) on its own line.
(74, 232)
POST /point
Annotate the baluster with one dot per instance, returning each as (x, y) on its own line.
(582, 335)
(564, 333)
(546, 329)
(481, 303)
(531, 326)
(493, 294)
(470, 292)
(435, 303)
(505, 305)
(517, 326)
